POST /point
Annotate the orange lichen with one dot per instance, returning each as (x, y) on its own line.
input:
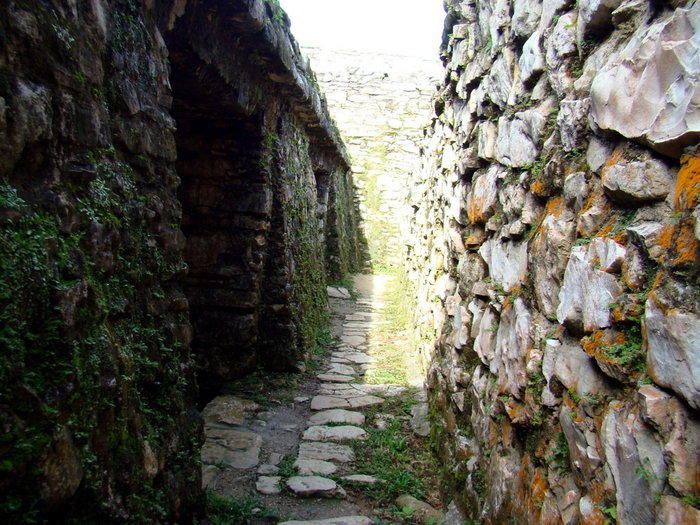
(615, 158)
(686, 246)
(680, 247)
(555, 207)
(688, 184)
(593, 343)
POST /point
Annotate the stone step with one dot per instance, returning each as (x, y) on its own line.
(339, 433)
(326, 452)
(335, 378)
(337, 416)
(268, 485)
(342, 520)
(314, 467)
(315, 486)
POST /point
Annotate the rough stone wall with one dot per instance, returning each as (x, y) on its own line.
(554, 250)
(380, 103)
(123, 124)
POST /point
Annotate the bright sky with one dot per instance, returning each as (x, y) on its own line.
(400, 27)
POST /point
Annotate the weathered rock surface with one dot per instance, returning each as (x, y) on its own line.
(673, 356)
(648, 89)
(551, 245)
(343, 520)
(337, 416)
(310, 486)
(334, 433)
(148, 174)
(326, 452)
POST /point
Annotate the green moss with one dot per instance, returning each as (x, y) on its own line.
(112, 361)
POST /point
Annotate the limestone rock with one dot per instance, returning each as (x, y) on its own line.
(518, 138)
(549, 254)
(231, 410)
(328, 402)
(335, 433)
(337, 416)
(309, 486)
(483, 195)
(326, 452)
(361, 478)
(313, 467)
(673, 356)
(420, 510)
(526, 16)
(574, 368)
(587, 293)
(649, 91)
(268, 485)
(507, 261)
(637, 181)
(210, 474)
(236, 447)
(338, 292)
(629, 449)
(673, 510)
(267, 470)
(335, 378)
(532, 59)
(343, 520)
(512, 343)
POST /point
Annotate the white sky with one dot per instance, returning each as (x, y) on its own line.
(400, 27)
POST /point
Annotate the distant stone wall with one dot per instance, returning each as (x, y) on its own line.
(169, 178)
(554, 247)
(380, 103)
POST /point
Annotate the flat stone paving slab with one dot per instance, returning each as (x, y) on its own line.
(341, 369)
(343, 520)
(326, 452)
(361, 478)
(335, 378)
(339, 433)
(308, 486)
(353, 340)
(326, 402)
(268, 485)
(337, 415)
(312, 467)
(359, 358)
(364, 401)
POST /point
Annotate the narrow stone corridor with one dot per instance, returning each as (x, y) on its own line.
(295, 456)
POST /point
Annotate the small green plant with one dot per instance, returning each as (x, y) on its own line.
(630, 352)
(692, 500)
(610, 513)
(560, 458)
(224, 511)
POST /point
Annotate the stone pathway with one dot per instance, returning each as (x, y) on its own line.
(325, 417)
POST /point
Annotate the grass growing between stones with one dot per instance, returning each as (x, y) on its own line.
(393, 454)
(225, 511)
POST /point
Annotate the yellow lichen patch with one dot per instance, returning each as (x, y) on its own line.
(688, 184)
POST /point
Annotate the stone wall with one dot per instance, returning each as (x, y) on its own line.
(381, 104)
(172, 193)
(554, 250)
